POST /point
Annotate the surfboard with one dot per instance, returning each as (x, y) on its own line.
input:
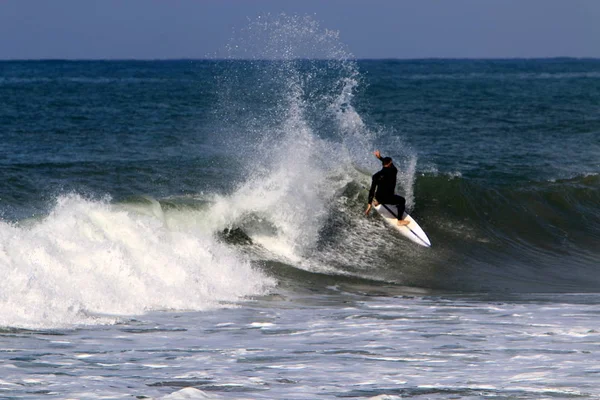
(412, 231)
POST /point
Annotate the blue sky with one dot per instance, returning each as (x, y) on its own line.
(151, 29)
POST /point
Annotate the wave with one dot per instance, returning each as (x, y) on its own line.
(92, 262)
(96, 262)
(527, 238)
(534, 237)
(548, 214)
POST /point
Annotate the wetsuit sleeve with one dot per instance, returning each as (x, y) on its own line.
(373, 186)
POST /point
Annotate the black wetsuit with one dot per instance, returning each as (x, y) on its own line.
(382, 189)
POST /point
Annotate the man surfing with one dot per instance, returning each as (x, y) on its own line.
(383, 186)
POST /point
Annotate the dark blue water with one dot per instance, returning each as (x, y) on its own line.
(501, 121)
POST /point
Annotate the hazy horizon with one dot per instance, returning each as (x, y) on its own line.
(376, 29)
(324, 59)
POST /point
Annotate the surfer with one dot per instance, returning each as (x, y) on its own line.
(383, 186)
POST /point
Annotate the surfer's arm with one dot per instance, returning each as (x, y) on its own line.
(374, 184)
(372, 189)
(378, 155)
(372, 192)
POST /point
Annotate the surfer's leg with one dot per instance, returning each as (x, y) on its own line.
(400, 203)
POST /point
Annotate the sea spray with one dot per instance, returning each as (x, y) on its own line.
(406, 179)
(296, 132)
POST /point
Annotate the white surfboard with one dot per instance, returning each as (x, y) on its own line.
(412, 231)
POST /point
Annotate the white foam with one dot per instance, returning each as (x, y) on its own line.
(190, 393)
(89, 262)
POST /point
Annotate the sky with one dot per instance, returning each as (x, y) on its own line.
(404, 29)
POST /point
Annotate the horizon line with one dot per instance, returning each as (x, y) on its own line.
(301, 58)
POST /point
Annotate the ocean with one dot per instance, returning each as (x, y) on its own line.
(185, 229)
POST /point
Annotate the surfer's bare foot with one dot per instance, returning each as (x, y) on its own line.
(402, 222)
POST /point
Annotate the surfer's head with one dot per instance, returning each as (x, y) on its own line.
(387, 161)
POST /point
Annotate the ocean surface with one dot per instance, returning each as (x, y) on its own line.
(195, 228)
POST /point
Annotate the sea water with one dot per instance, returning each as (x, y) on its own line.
(196, 228)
